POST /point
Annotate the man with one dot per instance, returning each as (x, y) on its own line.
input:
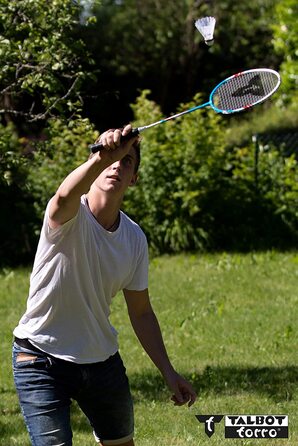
(65, 347)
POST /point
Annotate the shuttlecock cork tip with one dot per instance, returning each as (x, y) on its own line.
(209, 42)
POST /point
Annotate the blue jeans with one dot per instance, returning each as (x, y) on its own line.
(46, 386)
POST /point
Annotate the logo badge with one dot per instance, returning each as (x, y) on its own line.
(209, 421)
(254, 88)
(248, 426)
(256, 426)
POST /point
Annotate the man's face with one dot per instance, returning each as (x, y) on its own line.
(119, 175)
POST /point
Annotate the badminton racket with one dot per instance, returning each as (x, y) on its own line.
(234, 94)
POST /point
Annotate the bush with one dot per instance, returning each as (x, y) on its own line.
(64, 149)
(256, 204)
(181, 162)
(17, 211)
(30, 174)
(195, 193)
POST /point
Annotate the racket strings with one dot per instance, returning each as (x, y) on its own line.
(244, 90)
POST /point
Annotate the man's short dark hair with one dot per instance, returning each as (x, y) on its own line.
(137, 146)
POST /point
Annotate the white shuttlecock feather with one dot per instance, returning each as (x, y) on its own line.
(206, 26)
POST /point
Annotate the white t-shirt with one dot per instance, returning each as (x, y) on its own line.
(78, 268)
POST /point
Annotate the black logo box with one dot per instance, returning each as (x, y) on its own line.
(256, 426)
(256, 432)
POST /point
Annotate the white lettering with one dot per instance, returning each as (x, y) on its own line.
(240, 432)
(270, 420)
(249, 433)
(280, 419)
(209, 423)
(259, 420)
(256, 433)
(256, 420)
(273, 433)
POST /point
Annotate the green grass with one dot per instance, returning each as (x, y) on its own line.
(230, 326)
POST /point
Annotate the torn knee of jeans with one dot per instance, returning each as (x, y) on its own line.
(22, 357)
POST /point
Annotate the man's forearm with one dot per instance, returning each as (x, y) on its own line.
(66, 201)
(147, 329)
(79, 180)
(148, 332)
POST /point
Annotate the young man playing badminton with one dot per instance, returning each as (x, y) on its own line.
(65, 347)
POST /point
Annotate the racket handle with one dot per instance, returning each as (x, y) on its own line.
(97, 147)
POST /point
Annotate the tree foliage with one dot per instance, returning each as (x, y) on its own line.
(64, 65)
(195, 193)
(153, 44)
(41, 81)
(41, 60)
(29, 180)
(17, 212)
(286, 44)
(64, 149)
(180, 162)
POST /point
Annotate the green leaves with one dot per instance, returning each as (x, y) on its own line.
(198, 174)
(65, 148)
(285, 43)
(196, 193)
(10, 156)
(41, 57)
(181, 161)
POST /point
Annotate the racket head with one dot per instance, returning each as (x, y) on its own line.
(244, 90)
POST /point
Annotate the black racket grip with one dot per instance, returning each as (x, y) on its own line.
(97, 147)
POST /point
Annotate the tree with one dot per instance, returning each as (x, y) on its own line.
(153, 44)
(41, 60)
(181, 163)
(41, 84)
(194, 192)
(286, 43)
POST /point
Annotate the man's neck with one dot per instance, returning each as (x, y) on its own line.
(105, 211)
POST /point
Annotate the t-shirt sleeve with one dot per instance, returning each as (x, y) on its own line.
(53, 233)
(139, 279)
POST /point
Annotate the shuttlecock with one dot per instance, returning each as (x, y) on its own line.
(206, 27)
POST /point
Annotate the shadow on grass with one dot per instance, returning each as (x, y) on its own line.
(277, 383)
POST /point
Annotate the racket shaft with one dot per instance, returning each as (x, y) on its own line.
(98, 146)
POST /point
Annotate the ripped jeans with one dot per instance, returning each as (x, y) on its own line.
(46, 386)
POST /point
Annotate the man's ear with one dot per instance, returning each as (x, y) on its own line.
(134, 179)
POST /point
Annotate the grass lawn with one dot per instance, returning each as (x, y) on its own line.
(230, 326)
